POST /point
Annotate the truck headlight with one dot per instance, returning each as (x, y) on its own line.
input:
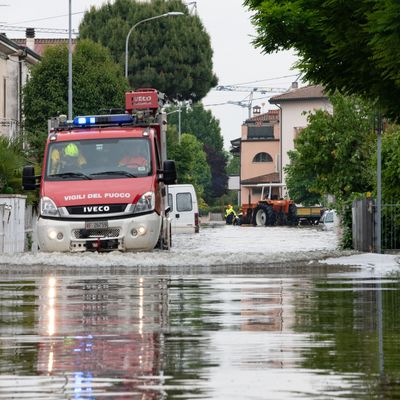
(48, 208)
(145, 203)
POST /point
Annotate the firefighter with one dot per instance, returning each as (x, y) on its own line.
(230, 214)
(134, 159)
(68, 160)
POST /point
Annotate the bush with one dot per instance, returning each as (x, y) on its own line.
(11, 162)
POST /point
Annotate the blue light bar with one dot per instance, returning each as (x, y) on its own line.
(112, 119)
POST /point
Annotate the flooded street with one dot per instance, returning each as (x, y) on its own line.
(206, 321)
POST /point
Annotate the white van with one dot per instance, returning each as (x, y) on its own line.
(184, 210)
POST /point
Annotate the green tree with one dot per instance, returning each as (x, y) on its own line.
(11, 162)
(98, 83)
(350, 46)
(390, 164)
(333, 153)
(300, 181)
(201, 123)
(233, 167)
(171, 54)
(191, 161)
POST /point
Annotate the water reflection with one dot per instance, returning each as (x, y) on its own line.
(305, 333)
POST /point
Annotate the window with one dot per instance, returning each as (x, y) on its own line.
(328, 217)
(262, 157)
(184, 202)
(260, 132)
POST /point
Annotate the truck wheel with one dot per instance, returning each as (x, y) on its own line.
(169, 240)
(260, 216)
(281, 218)
(271, 216)
(292, 215)
(164, 243)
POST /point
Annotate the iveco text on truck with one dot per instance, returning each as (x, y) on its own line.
(103, 182)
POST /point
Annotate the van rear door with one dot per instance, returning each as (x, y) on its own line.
(182, 201)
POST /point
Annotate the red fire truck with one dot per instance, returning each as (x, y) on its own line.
(103, 182)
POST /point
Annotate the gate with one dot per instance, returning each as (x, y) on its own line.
(363, 225)
(12, 223)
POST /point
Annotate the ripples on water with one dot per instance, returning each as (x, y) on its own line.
(301, 332)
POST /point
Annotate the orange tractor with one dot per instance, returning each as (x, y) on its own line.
(270, 211)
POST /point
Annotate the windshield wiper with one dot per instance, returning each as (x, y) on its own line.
(123, 173)
(71, 174)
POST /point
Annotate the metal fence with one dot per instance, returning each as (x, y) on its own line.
(391, 226)
(364, 221)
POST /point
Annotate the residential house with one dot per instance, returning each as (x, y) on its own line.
(267, 138)
(259, 148)
(15, 61)
(39, 45)
(295, 106)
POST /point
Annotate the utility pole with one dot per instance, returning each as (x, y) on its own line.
(378, 222)
(69, 64)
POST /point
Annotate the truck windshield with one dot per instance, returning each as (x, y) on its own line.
(99, 159)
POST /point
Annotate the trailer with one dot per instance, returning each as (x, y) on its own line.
(309, 215)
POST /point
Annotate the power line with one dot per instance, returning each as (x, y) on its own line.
(264, 80)
(262, 90)
(44, 30)
(46, 18)
(229, 103)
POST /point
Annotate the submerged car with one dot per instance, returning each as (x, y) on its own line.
(329, 220)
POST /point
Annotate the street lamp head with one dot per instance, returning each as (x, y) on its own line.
(168, 14)
(174, 14)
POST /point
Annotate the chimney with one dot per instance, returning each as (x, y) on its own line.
(30, 38)
(295, 85)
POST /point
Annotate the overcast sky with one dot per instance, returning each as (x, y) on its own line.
(236, 61)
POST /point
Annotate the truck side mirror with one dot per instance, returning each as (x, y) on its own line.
(169, 172)
(29, 178)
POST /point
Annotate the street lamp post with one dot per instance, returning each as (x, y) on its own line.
(168, 14)
(179, 111)
(69, 64)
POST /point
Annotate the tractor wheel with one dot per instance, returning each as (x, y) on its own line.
(260, 216)
(271, 216)
(292, 215)
(281, 218)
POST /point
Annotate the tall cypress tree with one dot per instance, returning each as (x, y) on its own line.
(171, 54)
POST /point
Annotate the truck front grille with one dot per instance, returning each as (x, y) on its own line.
(96, 233)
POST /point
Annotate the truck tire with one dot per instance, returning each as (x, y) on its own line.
(260, 217)
(164, 243)
(292, 215)
(281, 218)
(271, 216)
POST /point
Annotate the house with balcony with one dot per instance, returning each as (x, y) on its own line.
(15, 61)
(267, 138)
(294, 107)
(259, 149)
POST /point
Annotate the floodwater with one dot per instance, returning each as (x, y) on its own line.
(277, 329)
